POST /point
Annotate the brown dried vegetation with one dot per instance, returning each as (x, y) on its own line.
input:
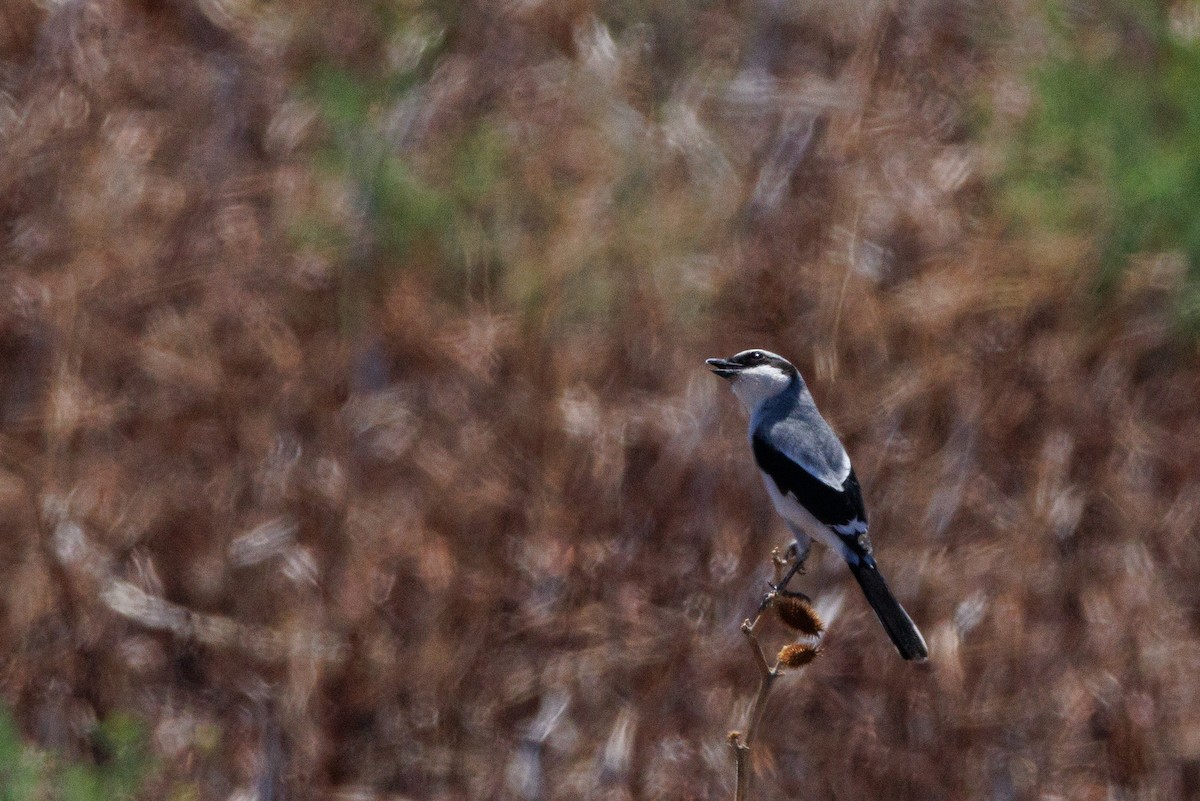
(339, 524)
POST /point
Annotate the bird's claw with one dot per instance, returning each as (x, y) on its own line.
(796, 568)
(778, 589)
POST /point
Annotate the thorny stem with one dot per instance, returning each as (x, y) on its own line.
(767, 674)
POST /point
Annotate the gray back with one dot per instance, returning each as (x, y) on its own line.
(790, 422)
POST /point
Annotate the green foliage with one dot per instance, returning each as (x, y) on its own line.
(441, 214)
(396, 205)
(485, 210)
(1111, 149)
(28, 773)
(21, 770)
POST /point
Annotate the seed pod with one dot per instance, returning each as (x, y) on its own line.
(797, 655)
(796, 612)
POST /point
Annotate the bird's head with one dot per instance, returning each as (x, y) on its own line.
(757, 375)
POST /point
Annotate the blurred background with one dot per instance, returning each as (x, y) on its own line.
(356, 442)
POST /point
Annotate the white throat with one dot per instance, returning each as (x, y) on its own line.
(757, 385)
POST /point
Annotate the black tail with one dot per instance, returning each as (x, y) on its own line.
(895, 620)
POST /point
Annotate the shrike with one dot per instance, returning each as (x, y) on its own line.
(809, 478)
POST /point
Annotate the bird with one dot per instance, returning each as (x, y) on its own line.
(810, 480)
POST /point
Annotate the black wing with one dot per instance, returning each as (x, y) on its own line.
(828, 505)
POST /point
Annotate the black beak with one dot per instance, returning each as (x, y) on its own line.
(724, 367)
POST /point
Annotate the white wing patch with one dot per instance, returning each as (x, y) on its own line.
(852, 529)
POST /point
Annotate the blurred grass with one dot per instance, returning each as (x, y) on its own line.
(1110, 151)
(29, 773)
(358, 441)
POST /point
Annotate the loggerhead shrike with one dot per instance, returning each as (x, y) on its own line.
(810, 480)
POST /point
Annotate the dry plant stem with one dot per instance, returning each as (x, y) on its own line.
(767, 674)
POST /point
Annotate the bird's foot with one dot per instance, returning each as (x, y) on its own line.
(797, 567)
(779, 589)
